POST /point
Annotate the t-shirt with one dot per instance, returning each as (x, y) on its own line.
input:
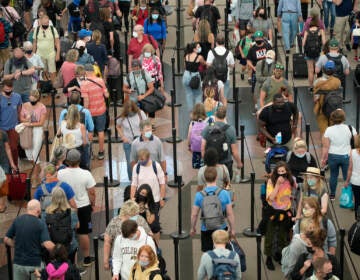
(30, 232)
(157, 30)
(45, 41)
(257, 53)
(81, 181)
(8, 29)
(131, 124)
(339, 136)
(95, 93)
(214, 17)
(154, 146)
(23, 84)
(272, 87)
(35, 113)
(221, 170)
(135, 47)
(49, 186)
(282, 200)
(246, 45)
(355, 175)
(276, 121)
(4, 163)
(344, 9)
(74, 10)
(137, 83)
(323, 59)
(68, 71)
(220, 50)
(9, 111)
(260, 24)
(152, 65)
(230, 135)
(37, 62)
(298, 165)
(99, 54)
(89, 123)
(224, 198)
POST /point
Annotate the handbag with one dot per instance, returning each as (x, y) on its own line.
(17, 27)
(346, 197)
(153, 102)
(194, 82)
(234, 245)
(17, 186)
(59, 80)
(26, 138)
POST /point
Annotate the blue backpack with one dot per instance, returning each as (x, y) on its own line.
(224, 268)
(276, 154)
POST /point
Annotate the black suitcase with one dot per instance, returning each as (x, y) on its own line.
(299, 62)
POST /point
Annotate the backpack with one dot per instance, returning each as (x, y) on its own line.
(354, 238)
(195, 135)
(82, 116)
(312, 46)
(224, 268)
(45, 200)
(307, 156)
(2, 32)
(332, 100)
(220, 65)
(211, 210)
(59, 226)
(276, 154)
(237, 53)
(339, 69)
(216, 139)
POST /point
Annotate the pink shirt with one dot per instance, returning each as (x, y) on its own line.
(34, 113)
(152, 65)
(68, 71)
(95, 94)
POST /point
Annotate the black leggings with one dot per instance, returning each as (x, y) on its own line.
(356, 192)
(124, 7)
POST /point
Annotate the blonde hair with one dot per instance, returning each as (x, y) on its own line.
(220, 236)
(59, 202)
(130, 208)
(148, 47)
(320, 186)
(72, 55)
(96, 36)
(35, 93)
(79, 70)
(203, 30)
(209, 102)
(72, 117)
(299, 144)
(143, 153)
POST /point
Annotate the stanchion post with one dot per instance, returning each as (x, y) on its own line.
(178, 36)
(173, 95)
(345, 101)
(295, 95)
(115, 139)
(172, 139)
(250, 231)
(53, 108)
(96, 251)
(121, 61)
(276, 43)
(258, 256)
(113, 183)
(46, 140)
(126, 49)
(342, 245)
(107, 207)
(312, 3)
(28, 189)
(242, 155)
(287, 67)
(226, 25)
(357, 107)
(175, 183)
(236, 111)
(307, 135)
(9, 262)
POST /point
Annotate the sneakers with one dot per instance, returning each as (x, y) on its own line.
(348, 47)
(269, 264)
(82, 271)
(332, 197)
(101, 155)
(88, 261)
(287, 51)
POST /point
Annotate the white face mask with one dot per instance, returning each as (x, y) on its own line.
(269, 60)
(135, 35)
(147, 54)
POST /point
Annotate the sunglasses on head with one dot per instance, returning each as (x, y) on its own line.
(278, 66)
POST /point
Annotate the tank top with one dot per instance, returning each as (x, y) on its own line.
(76, 132)
(192, 66)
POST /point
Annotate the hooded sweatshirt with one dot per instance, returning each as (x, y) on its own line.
(125, 252)
(56, 273)
(294, 250)
(144, 274)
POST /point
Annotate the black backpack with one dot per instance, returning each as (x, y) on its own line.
(313, 44)
(339, 69)
(220, 65)
(216, 138)
(59, 226)
(354, 238)
(332, 100)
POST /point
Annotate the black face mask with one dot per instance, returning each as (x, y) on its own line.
(262, 15)
(33, 102)
(8, 93)
(28, 52)
(142, 198)
(258, 42)
(283, 175)
(45, 26)
(310, 250)
(328, 276)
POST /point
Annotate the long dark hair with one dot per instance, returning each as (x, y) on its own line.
(210, 77)
(150, 197)
(275, 175)
(258, 10)
(158, 20)
(190, 48)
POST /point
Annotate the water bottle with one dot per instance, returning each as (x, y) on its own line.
(278, 138)
(237, 177)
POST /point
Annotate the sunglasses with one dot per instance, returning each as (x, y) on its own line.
(278, 66)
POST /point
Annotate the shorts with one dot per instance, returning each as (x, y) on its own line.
(310, 58)
(49, 63)
(355, 46)
(243, 61)
(84, 216)
(206, 240)
(100, 122)
(4, 56)
(243, 26)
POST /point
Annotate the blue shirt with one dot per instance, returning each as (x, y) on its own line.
(224, 199)
(344, 9)
(289, 6)
(9, 111)
(157, 30)
(49, 186)
(89, 124)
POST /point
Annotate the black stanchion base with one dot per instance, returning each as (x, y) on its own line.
(181, 236)
(116, 140)
(245, 180)
(175, 105)
(346, 101)
(114, 183)
(248, 233)
(174, 184)
(178, 74)
(171, 140)
(232, 101)
(99, 185)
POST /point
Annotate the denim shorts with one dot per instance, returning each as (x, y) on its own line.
(100, 122)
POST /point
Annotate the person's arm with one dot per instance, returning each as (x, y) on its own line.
(325, 150)
(111, 40)
(133, 189)
(72, 203)
(271, 196)
(235, 154)
(323, 37)
(83, 134)
(349, 173)
(251, 65)
(295, 118)
(262, 128)
(107, 250)
(262, 98)
(9, 241)
(117, 258)
(150, 90)
(305, 38)
(48, 245)
(194, 216)
(92, 195)
(324, 203)
(337, 2)
(230, 218)
(9, 155)
(331, 237)
(222, 98)
(203, 145)
(130, 58)
(298, 8)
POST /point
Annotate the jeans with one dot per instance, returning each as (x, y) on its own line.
(335, 162)
(74, 24)
(193, 96)
(24, 97)
(22, 272)
(289, 26)
(226, 89)
(329, 9)
(127, 150)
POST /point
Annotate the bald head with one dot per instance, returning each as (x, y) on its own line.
(33, 207)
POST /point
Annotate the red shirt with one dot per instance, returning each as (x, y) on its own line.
(135, 47)
(141, 15)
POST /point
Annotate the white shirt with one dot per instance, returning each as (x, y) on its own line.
(339, 136)
(125, 252)
(355, 175)
(220, 50)
(80, 180)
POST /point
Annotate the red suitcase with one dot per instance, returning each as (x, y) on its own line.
(17, 186)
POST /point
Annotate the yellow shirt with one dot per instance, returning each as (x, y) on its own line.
(45, 41)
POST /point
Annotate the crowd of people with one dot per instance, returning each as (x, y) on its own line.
(72, 48)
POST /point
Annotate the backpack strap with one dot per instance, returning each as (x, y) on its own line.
(154, 273)
(137, 168)
(308, 157)
(288, 156)
(217, 191)
(44, 190)
(225, 127)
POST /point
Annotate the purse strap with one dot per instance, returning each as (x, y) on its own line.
(9, 15)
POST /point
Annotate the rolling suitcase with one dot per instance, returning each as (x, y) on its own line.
(299, 62)
(17, 186)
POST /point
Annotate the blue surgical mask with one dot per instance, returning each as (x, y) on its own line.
(144, 263)
(134, 218)
(147, 54)
(155, 16)
(311, 182)
(143, 162)
(199, 50)
(299, 155)
(148, 134)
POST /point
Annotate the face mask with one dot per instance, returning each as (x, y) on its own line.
(311, 182)
(199, 50)
(8, 93)
(307, 212)
(134, 218)
(262, 15)
(135, 35)
(142, 198)
(147, 54)
(299, 155)
(310, 250)
(283, 175)
(142, 8)
(134, 237)
(144, 263)
(45, 26)
(148, 134)
(155, 16)
(269, 60)
(28, 52)
(143, 162)
(258, 42)
(328, 276)
(33, 102)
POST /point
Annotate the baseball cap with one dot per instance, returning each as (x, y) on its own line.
(329, 65)
(258, 34)
(84, 33)
(333, 43)
(73, 155)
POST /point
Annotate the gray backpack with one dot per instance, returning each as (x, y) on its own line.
(212, 213)
(46, 198)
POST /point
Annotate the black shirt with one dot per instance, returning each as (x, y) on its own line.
(211, 14)
(298, 165)
(279, 121)
(257, 53)
(74, 10)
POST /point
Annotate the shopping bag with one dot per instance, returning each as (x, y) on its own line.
(346, 197)
(16, 185)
